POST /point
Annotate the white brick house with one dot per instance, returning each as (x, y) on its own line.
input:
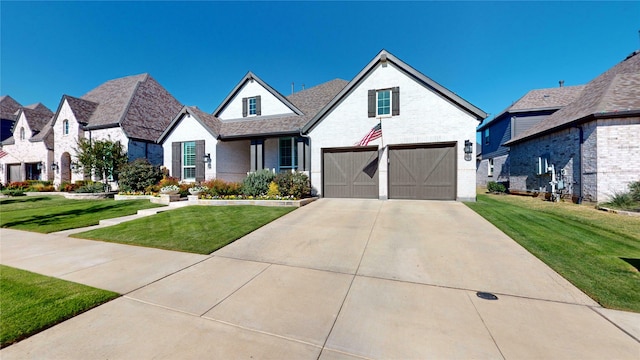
(592, 143)
(421, 153)
(30, 150)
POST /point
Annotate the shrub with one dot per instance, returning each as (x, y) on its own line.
(257, 183)
(18, 185)
(495, 187)
(634, 190)
(89, 187)
(68, 187)
(294, 184)
(138, 175)
(168, 180)
(13, 192)
(219, 187)
(621, 200)
(273, 190)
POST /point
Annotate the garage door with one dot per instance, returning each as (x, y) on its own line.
(426, 172)
(350, 173)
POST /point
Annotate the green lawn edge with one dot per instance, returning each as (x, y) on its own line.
(193, 229)
(32, 302)
(52, 213)
(583, 245)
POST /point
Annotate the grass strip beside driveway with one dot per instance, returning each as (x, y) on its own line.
(32, 302)
(584, 245)
(46, 214)
(196, 229)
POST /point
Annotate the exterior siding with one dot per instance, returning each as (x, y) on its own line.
(617, 150)
(424, 118)
(233, 160)
(189, 129)
(500, 170)
(270, 105)
(142, 149)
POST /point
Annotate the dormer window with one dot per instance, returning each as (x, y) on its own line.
(251, 106)
(65, 127)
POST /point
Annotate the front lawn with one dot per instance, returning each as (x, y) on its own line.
(32, 303)
(592, 249)
(196, 229)
(46, 214)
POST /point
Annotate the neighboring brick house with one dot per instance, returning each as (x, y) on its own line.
(8, 110)
(418, 130)
(533, 107)
(592, 143)
(134, 110)
(30, 148)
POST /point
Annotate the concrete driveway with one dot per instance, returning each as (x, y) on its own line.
(336, 279)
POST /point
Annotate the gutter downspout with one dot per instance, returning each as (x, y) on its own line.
(581, 141)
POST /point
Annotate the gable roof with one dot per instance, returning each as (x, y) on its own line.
(248, 77)
(385, 56)
(36, 118)
(9, 107)
(309, 101)
(541, 100)
(138, 104)
(208, 121)
(614, 93)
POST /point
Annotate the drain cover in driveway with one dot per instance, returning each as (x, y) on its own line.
(486, 295)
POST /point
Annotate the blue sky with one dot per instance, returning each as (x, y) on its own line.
(490, 53)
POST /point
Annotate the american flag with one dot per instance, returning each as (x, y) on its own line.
(374, 133)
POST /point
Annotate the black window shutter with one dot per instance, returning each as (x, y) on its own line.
(244, 107)
(199, 163)
(258, 106)
(176, 159)
(372, 103)
(395, 101)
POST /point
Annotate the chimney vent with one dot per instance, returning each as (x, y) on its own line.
(561, 83)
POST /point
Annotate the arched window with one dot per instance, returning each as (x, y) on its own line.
(21, 133)
(65, 127)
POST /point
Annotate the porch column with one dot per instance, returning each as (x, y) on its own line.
(257, 155)
(304, 154)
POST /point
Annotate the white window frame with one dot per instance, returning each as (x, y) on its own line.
(378, 92)
(65, 127)
(490, 167)
(294, 160)
(255, 106)
(184, 158)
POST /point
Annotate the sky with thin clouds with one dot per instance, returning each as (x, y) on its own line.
(489, 53)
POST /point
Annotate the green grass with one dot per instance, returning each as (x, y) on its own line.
(196, 229)
(45, 214)
(32, 303)
(584, 245)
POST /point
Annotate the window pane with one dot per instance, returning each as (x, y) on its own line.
(252, 106)
(384, 102)
(189, 160)
(286, 156)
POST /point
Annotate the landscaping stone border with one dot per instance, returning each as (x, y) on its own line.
(621, 212)
(89, 196)
(193, 200)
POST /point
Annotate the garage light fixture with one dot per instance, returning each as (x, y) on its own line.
(468, 149)
(206, 158)
(54, 166)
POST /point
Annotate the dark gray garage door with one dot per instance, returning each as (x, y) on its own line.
(426, 172)
(350, 173)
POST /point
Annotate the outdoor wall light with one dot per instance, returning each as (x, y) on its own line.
(39, 165)
(54, 166)
(74, 166)
(206, 158)
(468, 149)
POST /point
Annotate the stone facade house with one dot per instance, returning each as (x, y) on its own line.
(590, 145)
(532, 108)
(30, 148)
(390, 132)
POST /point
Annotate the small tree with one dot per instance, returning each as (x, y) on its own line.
(101, 158)
(137, 175)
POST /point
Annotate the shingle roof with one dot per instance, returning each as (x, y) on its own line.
(613, 92)
(138, 104)
(9, 107)
(541, 99)
(209, 121)
(309, 101)
(46, 135)
(37, 118)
